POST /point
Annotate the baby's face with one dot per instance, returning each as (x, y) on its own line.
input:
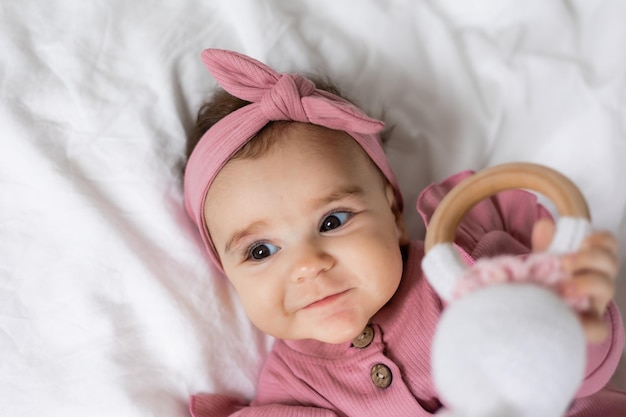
(308, 234)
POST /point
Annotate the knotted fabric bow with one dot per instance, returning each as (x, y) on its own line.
(272, 97)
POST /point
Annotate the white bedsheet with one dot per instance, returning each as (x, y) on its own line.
(107, 303)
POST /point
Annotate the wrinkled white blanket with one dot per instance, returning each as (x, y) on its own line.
(107, 304)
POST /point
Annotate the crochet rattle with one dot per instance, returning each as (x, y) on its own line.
(509, 343)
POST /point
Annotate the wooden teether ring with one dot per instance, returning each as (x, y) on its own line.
(563, 193)
(442, 263)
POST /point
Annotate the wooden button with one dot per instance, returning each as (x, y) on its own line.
(381, 375)
(364, 339)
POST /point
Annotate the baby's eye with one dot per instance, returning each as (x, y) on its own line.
(334, 220)
(260, 251)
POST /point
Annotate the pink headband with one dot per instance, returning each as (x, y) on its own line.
(273, 96)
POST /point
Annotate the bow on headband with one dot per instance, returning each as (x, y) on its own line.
(273, 97)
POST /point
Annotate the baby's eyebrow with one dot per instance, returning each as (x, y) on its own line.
(241, 234)
(338, 194)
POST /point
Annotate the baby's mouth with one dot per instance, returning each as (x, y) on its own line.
(324, 301)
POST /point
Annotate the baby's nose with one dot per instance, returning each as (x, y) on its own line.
(310, 260)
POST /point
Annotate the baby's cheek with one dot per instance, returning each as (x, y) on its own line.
(384, 264)
(262, 317)
(264, 305)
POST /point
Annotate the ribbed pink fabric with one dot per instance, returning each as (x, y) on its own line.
(273, 97)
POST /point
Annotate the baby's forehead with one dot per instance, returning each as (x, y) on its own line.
(288, 184)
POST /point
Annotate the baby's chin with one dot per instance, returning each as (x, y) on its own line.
(327, 336)
(336, 333)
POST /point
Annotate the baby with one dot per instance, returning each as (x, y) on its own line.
(298, 206)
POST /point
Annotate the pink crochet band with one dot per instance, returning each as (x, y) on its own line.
(273, 97)
(543, 269)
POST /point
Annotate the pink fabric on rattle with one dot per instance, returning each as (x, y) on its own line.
(273, 97)
(543, 269)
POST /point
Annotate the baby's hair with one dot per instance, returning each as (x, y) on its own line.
(222, 104)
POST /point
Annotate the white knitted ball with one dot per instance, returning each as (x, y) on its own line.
(512, 350)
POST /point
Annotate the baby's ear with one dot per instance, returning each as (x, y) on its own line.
(403, 236)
